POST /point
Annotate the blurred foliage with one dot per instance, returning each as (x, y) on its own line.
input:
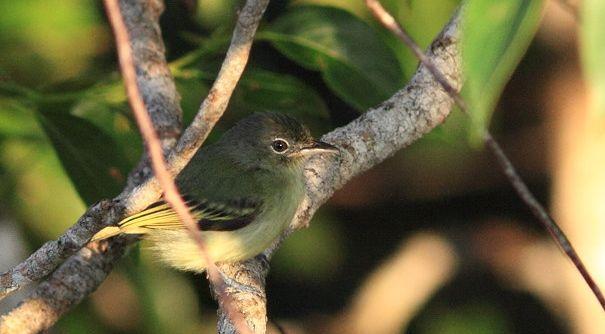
(495, 35)
(43, 36)
(67, 138)
(303, 263)
(593, 49)
(479, 318)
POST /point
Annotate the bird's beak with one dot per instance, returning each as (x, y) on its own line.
(317, 146)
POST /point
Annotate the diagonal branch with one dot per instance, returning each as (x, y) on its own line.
(219, 95)
(365, 142)
(93, 263)
(504, 162)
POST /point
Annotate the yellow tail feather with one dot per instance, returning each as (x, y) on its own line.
(157, 217)
(105, 233)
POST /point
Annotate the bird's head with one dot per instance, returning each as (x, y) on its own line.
(272, 141)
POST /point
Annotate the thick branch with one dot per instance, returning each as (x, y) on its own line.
(75, 279)
(162, 100)
(365, 142)
(154, 79)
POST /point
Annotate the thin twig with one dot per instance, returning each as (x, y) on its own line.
(570, 8)
(505, 164)
(165, 179)
(539, 212)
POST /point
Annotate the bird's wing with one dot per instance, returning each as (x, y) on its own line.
(210, 216)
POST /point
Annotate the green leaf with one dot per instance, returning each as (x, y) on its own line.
(495, 35)
(262, 90)
(90, 157)
(593, 49)
(355, 63)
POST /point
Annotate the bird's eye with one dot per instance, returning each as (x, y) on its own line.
(279, 145)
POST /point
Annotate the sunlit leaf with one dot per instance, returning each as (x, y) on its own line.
(593, 49)
(355, 63)
(90, 157)
(495, 35)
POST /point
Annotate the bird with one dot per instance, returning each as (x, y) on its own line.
(243, 190)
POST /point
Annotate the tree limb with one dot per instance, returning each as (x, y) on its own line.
(94, 262)
(376, 135)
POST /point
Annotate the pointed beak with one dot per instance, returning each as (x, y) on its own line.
(317, 146)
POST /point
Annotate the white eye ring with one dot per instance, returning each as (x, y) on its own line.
(280, 145)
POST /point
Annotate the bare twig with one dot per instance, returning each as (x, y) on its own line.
(505, 164)
(165, 179)
(542, 215)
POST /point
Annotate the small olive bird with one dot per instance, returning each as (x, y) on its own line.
(243, 191)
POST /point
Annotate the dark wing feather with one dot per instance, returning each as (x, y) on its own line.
(227, 217)
(211, 216)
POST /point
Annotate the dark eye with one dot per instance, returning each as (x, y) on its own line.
(279, 145)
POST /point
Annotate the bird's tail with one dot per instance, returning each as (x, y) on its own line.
(156, 216)
(107, 232)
